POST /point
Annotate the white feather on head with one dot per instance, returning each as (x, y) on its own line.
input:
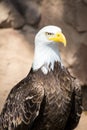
(46, 51)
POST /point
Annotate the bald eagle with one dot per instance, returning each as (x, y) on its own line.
(49, 98)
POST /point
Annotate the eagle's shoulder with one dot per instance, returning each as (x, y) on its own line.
(23, 103)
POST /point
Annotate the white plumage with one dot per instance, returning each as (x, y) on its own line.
(45, 58)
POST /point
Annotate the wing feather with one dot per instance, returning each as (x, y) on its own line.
(76, 108)
(22, 105)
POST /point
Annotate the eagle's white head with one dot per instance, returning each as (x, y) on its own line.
(46, 48)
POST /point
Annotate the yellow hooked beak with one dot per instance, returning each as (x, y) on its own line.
(58, 37)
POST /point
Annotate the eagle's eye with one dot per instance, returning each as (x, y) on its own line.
(49, 34)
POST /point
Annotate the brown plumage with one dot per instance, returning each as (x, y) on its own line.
(47, 102)
(49, 98)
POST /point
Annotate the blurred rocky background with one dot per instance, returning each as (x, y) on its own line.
(19, 22)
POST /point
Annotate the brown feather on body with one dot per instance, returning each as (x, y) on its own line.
(49, 102)
(59, 89)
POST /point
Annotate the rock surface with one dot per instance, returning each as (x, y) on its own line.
(9, 16)
(17, 13)
(76, 14)
(29, 10)
(16, 54)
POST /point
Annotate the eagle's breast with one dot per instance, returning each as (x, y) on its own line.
(57, 97)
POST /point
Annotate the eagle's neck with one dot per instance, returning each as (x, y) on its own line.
(45, 57)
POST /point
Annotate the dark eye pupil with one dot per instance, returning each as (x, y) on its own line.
(49, 33)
